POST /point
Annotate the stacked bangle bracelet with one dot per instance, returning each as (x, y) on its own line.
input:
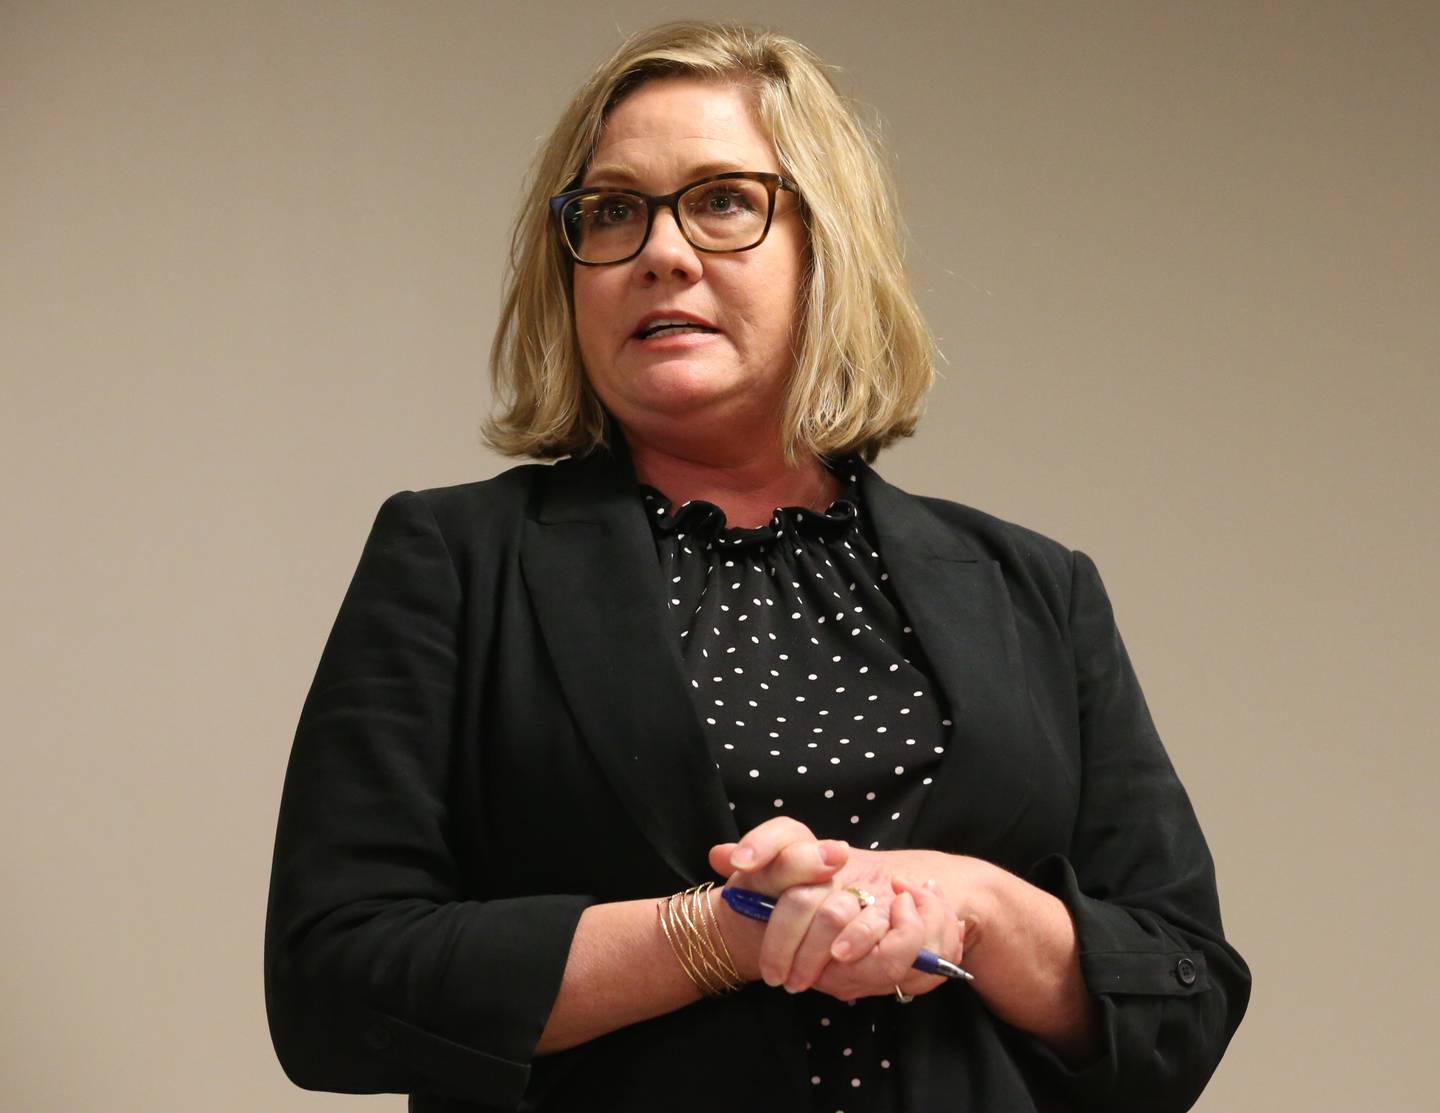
(690, 927)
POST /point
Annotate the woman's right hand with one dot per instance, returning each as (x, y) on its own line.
(781, 859)
(809, 879)
(817, 913)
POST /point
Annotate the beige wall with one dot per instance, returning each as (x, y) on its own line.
(1182, 260)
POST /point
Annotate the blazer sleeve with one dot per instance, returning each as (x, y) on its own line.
(381, 975)
(1139, 883)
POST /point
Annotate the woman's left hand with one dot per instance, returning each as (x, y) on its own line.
(920, 917)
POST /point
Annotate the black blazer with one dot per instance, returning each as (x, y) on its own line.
(498, 735)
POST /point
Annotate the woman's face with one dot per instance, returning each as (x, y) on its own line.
(666, 134)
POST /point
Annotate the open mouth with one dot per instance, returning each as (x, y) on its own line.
(656, 329)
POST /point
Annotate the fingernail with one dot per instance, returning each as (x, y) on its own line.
(791, 987)
(833, 855)
(742, 858)
(930, 884)
(841, 949)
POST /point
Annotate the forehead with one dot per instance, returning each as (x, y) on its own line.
(671, 125)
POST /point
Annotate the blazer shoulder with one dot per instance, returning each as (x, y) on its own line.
(510, 491)
(482, 514)
(1032, 563)
(997, 537)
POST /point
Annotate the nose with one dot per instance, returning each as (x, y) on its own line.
(667, 252)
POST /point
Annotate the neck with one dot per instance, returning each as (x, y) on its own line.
(746, 483)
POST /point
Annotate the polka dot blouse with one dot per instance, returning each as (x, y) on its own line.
(815, 699)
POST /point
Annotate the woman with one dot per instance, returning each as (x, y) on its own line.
(712, 645)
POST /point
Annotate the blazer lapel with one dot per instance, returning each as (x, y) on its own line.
(590, 567)
(956, 599)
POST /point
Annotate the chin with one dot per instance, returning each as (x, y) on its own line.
(685, 389)
(691, 415)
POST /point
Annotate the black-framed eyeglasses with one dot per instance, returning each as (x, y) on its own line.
(722, 213)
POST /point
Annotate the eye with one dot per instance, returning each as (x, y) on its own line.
(721, 200)
(615, 210)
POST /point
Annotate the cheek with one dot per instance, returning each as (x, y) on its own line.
(779, 309)
(781, 300)
(589, 306)
(582, 301)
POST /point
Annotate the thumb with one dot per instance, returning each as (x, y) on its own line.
(719, 857)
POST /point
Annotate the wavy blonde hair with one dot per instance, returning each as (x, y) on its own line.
(863, 356)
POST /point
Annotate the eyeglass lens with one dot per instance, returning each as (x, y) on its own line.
(727, 215)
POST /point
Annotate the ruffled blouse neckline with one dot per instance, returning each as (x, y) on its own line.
(705, 522)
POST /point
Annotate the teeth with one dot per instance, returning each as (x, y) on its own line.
(673, 330)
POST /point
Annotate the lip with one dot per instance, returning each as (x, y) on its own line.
(670, 315)
(675, 342)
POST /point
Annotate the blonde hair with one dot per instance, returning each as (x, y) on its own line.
(862, 351)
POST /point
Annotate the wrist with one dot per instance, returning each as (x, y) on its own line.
(979, 892)
(741, 934)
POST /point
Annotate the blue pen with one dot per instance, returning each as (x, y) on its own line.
(757, 906)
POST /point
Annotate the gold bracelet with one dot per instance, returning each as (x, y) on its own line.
(690, 932)
(729, 959)
(692, 909)
(670, 922)
(694, 953)
(666, 914)
(702, 950)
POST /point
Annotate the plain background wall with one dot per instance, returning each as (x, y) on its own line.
(1181, 260)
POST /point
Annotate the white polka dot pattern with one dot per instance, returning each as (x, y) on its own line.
(841, 727)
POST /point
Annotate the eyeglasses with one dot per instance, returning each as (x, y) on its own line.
(723, 213)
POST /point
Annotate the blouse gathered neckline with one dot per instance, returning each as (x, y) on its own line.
(705, 522)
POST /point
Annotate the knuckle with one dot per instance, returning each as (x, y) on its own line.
(896, 968)
(791, 828)
(859, 931)
(804, 898)
(793, 855)
(863, 929)
(833, 914)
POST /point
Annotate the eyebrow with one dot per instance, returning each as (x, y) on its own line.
(611, 174)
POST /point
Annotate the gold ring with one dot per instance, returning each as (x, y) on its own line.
(865, 898)
(903, 997)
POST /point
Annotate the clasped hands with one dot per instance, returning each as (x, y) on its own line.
(820, 936)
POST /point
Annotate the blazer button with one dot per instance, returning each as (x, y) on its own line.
(377, 1037)
(1185, 971)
